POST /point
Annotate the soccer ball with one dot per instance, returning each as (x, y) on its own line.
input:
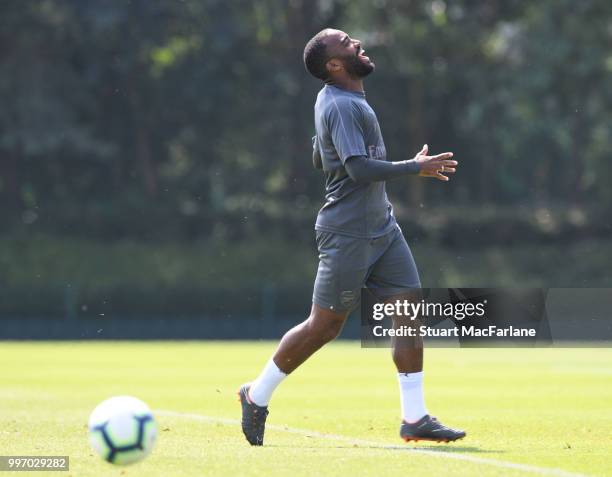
(122, 430)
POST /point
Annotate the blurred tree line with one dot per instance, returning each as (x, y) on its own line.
(154, 152)
(193, 118)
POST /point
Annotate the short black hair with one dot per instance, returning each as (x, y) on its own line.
(315, 55)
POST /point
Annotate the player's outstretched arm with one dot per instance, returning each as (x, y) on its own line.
(435, 166)
(363, 170)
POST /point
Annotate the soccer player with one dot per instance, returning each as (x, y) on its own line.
(359, 241)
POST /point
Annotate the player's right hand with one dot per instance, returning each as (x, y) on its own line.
(436, 166)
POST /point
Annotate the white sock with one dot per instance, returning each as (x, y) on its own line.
(411, 396)
(262, 388)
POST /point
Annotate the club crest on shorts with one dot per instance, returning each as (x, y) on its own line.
(347, 297)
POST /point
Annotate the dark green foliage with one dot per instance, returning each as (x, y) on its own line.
(200, 111)
(190, 122)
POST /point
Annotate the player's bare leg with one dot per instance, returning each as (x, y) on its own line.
(296, 346)
(301, 341)
(407, 354)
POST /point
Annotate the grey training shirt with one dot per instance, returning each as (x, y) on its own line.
(347, 126)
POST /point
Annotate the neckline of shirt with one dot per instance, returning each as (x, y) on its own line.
(361, 94)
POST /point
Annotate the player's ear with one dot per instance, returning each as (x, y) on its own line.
(333, 65)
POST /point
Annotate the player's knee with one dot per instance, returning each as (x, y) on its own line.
(323, 330)
(331, 332)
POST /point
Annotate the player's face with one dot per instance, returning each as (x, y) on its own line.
(350, 52)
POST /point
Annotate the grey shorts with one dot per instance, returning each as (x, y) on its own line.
(347, 264)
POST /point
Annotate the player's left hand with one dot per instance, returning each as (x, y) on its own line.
(436, 166)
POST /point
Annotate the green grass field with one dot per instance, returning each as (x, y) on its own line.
(527, 412)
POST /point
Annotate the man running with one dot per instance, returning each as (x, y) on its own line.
(359, 242)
